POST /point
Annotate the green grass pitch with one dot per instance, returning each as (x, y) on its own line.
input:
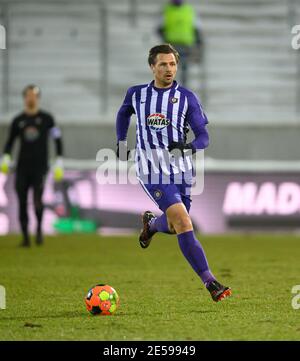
(161, 297)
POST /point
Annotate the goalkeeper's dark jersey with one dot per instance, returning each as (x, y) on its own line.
(33, 132)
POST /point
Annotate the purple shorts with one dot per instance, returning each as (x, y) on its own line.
(165, 195)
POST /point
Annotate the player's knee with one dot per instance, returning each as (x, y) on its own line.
(38, 201)
(182, 224)
(38, 204)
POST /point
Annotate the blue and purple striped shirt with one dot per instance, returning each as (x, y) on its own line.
(163, 115)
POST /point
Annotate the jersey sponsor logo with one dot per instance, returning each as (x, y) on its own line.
(157, 121)
(31, 134)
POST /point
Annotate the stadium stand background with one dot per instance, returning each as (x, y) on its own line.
(85, 55)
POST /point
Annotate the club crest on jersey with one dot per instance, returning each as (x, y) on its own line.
(157, 194)
(157, 121)
(174, 100)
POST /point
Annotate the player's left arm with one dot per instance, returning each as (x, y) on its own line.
(56, 135)
(197, 120)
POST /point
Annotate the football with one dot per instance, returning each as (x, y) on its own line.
(102, 300)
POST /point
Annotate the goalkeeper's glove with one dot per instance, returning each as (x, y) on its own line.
(180, 146)
(5, 163)
(122, 151)
(58, 170)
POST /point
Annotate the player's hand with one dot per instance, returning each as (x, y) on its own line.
(58, 174)
(122, 152)
(58, 170)
(174, 147)
(5, 163)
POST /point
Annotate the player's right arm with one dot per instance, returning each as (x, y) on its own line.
(12, 135)
(123, 121)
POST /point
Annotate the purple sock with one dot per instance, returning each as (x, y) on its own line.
(160, 224)
(194, 253)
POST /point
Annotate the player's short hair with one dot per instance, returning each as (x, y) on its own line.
(162, 49)
(33, 87)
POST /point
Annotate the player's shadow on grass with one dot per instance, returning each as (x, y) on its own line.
(84, 314)
(203, 311)
(41, 317)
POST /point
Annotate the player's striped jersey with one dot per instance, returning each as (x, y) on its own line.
(163, 116)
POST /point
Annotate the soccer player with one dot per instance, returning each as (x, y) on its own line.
(164, 111)
(33, 127)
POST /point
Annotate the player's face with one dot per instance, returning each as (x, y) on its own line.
(164, 69)
(31, 99)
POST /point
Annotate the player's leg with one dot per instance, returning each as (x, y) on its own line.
(162, 195)
(161, 224)
(193, 251)
(152, 225)
(38, 188)
(189, 245)
(22, 187)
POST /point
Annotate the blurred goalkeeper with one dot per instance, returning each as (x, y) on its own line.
(33, 127)
(165, 110)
